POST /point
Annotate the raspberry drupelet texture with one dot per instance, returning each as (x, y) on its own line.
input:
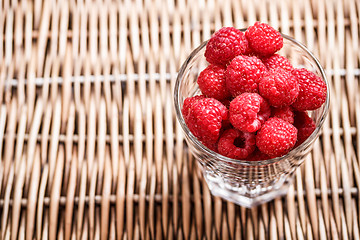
(284, 113)
(188, 102)
(248, 111)
(236, 144)
(243, 74)
(276, 137)
(204, 120)
(277, 61)
(212, 83)
(224, 45)
(263, 39)
(279, 87)
(305, 126)
(312, 90)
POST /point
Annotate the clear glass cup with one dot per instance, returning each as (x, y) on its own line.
(247, 183)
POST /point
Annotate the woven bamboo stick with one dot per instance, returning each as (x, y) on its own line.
(89, 142)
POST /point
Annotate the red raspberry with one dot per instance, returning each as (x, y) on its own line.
(305, 126)
(210, 145)
(276, 137)
(223, 110)
(236, 144)
(188, 102)
(224, 45)
(243, 74)
(204, 120)
(279, 87)
(263, 39)
(248, 111)
(284, 113)
(312, 90)
(257, 156)
(212, 83)
(277, 61)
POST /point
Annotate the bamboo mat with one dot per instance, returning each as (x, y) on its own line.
(90, 146)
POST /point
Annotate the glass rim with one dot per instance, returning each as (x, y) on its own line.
(220, 157)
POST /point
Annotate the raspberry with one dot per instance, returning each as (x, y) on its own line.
(236, 144)
(263, 39)
(224, 45)
(188, 102)
(248, 111)
(257, 156)
(305, 126)
(211, 82)
(204, 120)
(312, 90)
(284, 113)
(210, 145)
(243, 74)
(277, 61)
(279, 87)
(276, 137)
(223, 110)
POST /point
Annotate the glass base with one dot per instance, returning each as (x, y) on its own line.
(218, 189)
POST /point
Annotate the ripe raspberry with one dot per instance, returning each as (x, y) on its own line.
(236, 144)
(212, 83)
(188, 102)
(279, 87)
(257, 156)
(276, 137)
(223, 110)
(224, 45)
(312, 90)
(263, 39)
(277, 61)
(210, 145)
(284, 113)
(305, 126)
(248, 111)
(243, 74)
(204, 120)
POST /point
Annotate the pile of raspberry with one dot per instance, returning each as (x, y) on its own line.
(254, 104)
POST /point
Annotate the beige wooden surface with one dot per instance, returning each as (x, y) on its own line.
(89, 143)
